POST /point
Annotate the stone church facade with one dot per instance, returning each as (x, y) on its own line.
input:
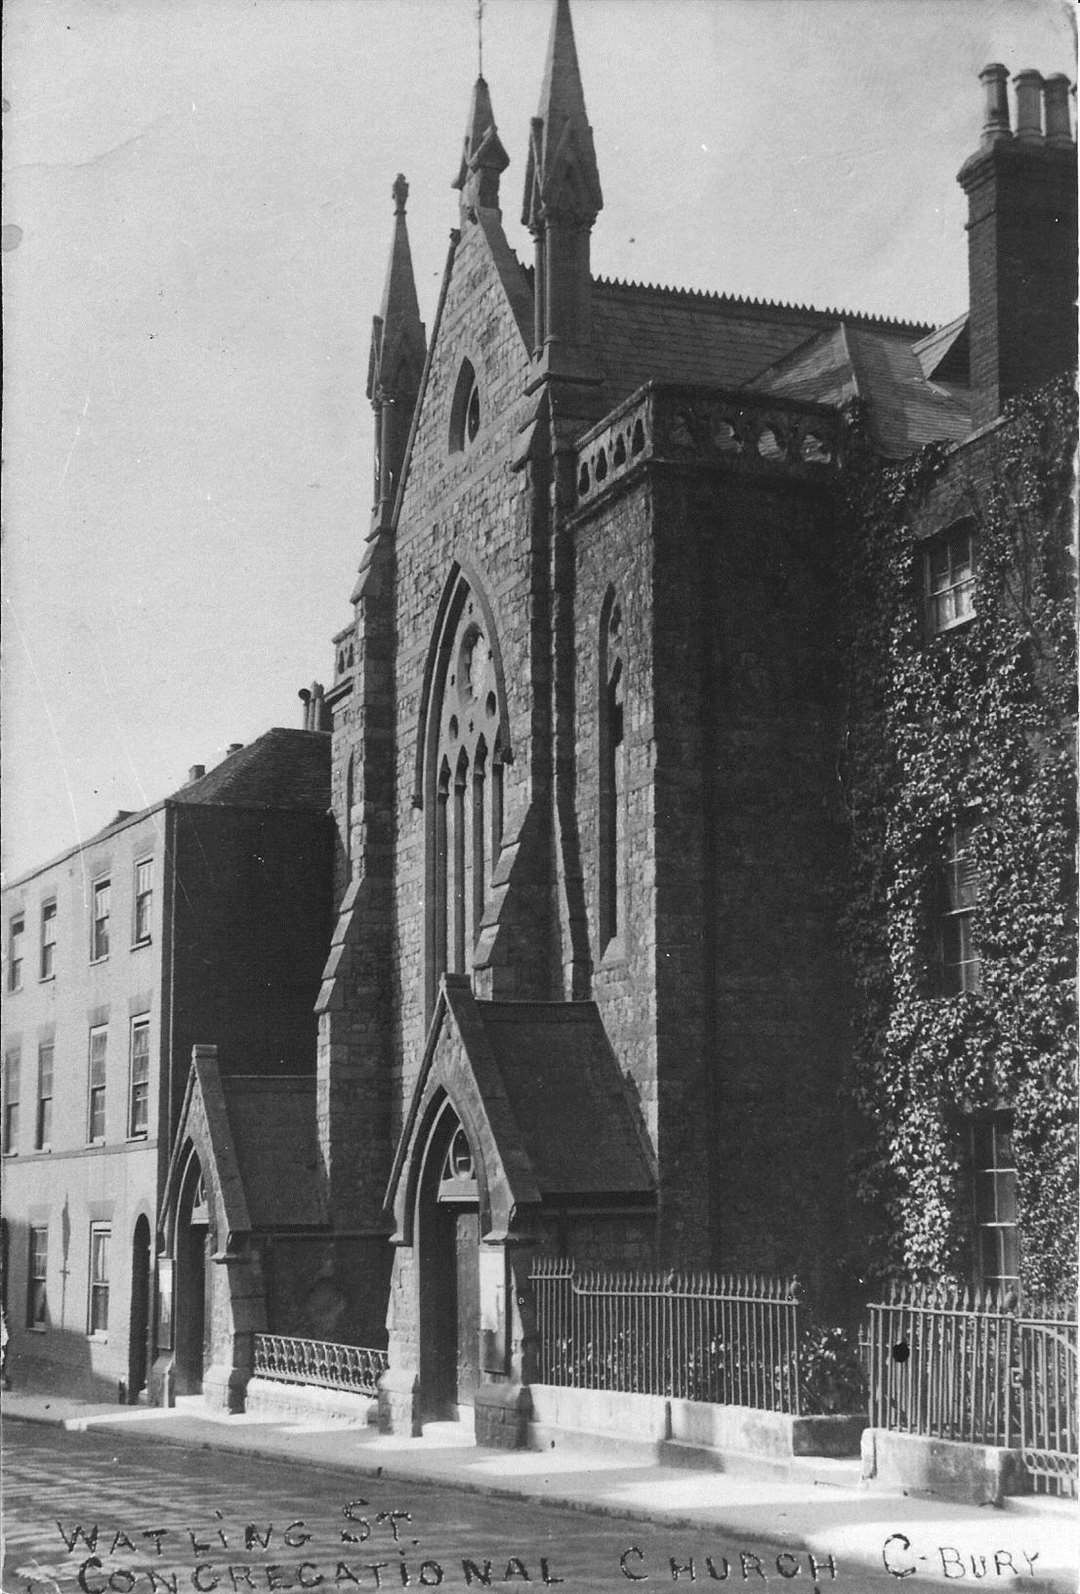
(585, 992)
(601, 843)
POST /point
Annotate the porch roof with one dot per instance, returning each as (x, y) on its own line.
(568, 1097)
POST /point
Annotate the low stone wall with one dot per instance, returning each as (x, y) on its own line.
(762, 1433)
(271, 1397)
(967, 1473)
(657, 1419)
(600, 1411)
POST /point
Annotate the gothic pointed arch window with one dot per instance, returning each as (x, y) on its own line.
(462, 795)
(611, 816)
(347, 827)
(465, 409)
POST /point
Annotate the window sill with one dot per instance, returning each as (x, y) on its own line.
(100, 1336)
(42, 1151)
(934, 633)
(104, 958)
(46, 979)
(138, 1139)
(14, 1152)
(37, 1328)
(137, 946)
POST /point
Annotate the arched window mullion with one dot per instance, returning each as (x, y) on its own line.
(460, 889)
(441, 869)
(480, 873)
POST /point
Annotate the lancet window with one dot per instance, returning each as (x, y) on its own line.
(612, 776)
(464, 796)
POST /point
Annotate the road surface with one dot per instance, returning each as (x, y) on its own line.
(106, 1515)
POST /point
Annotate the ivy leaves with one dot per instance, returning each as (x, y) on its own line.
(977, 723)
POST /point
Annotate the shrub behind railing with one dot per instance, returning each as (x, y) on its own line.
(732, 1339)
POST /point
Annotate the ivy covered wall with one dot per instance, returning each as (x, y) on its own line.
(975, 724)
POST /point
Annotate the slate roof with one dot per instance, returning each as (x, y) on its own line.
(945, 354)
(281, 769)
(272, 1126)
(884, 370)
(568, 1098)
(644, 333)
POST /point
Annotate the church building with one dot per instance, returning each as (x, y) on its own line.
(587, 991)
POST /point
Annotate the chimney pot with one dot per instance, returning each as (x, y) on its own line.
(1029, 85)
(995, 78)
(233, 747)
(1056, 106)
(196, 772)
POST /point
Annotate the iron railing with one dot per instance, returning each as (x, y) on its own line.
(355, 1368)
(949, 1362)
(729, 1339)
(1046, 1388)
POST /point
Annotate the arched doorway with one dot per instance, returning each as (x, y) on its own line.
(192, 1258)
(448, 1225)
(139, 1323)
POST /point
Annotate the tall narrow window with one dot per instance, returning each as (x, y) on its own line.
(994, 1172)
(98, 1306)
(16, 936)
(12, 1069)
(459, 854)
(37, 1310)
(48, 940)
(144, 900)
(139, 1101)
(958, 960)
(441, 870)
(95, 1130)
(480, 869)
(350, 799)
(43, 1127)
(949, 577)
(99, 930)
(496, 806)
(612, 780)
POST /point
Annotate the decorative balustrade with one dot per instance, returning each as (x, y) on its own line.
(730, 1339)
(744, 431)
(316, 1361)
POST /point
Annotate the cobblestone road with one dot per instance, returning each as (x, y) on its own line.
(108, 1516)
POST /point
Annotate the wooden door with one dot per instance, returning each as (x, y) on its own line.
(466, 1241)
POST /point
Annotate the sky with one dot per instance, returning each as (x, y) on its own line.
(197, 218)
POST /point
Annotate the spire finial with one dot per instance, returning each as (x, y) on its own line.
(561, 175)
(400, 192)
(479, 38)
(483, 158)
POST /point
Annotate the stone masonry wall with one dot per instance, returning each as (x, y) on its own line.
(470, 507)
(749, 846)
(614, 551)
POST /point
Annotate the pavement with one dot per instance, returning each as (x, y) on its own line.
(1029, 1544)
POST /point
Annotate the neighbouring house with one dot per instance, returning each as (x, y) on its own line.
(200, 918)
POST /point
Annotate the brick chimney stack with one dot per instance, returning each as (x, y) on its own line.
(1022, 245)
